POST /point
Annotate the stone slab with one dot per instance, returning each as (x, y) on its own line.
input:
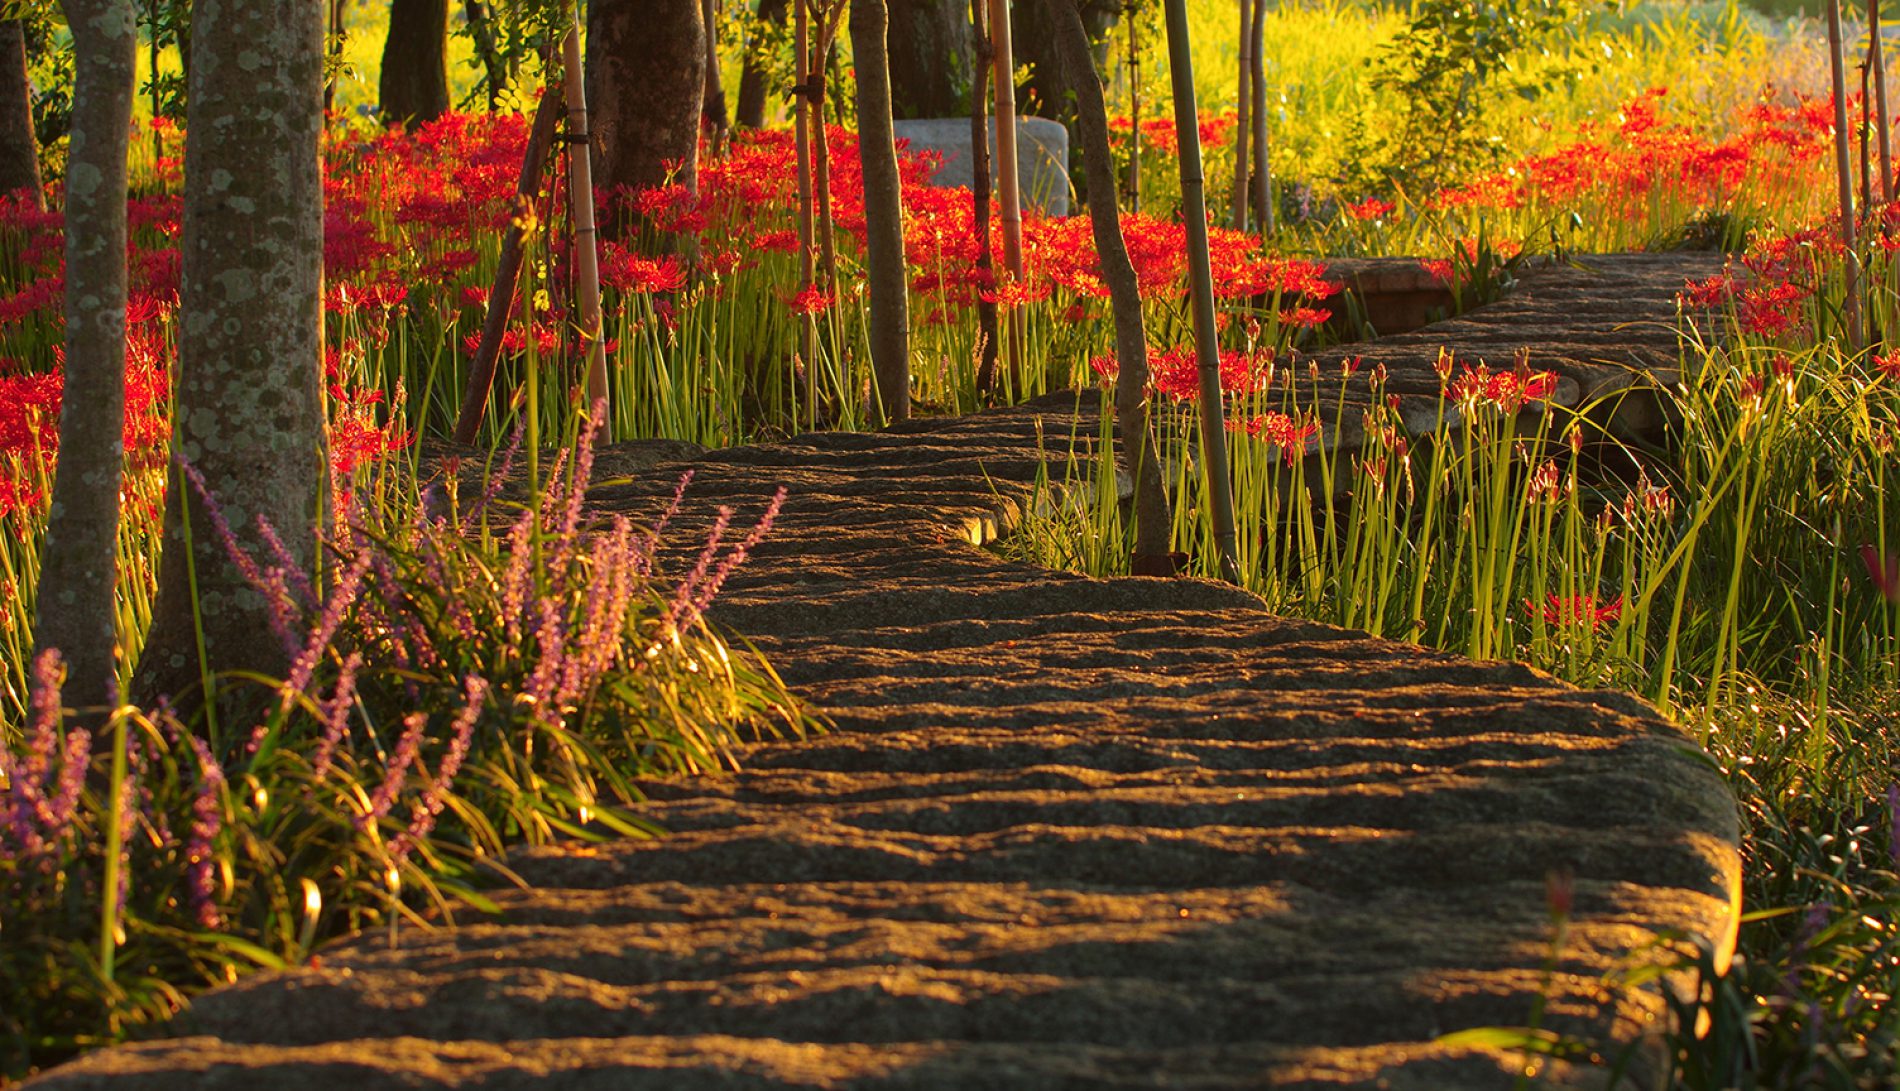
(1042, 156)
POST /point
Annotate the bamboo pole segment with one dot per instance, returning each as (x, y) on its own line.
(1243, 128)
(1201, 282)
(1884, 124)
(718, 123)
(580, 189)
(980, 196)
(1864, 131)
(501, 297)
(801, 139)
(1844, 173)
(1262, 176)
(1134, 108)
(1003, 71)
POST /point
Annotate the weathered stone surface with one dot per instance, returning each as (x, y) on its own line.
(1068, 833)
(1042, 156)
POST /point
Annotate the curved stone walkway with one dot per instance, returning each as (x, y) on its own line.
(1068, 833)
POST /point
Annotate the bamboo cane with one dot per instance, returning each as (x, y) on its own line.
(1844, 171)
(1863, 131)
(1201, 282)
(1243, 129)
(580, 188)
(801, 129)
(501, 297)
(1262, 171)
(980, 196)
(1885, 120)
(1003, 71)
(1134, 108)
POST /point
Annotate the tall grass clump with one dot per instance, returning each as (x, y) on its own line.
(466, 674)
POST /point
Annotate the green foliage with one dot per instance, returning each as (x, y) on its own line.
(460, 682)
(1447, 67)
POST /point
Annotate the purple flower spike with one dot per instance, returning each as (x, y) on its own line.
(408, 746)
(207, 818)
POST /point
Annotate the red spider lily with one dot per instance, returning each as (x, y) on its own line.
(1372, 208)
(636, 274)
(1508, 390)
(1888, 365)
(1582, 609)
(810, 300)
(1283, 432)
(1884, 571)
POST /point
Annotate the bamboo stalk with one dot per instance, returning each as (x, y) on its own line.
(1201, 282)
(1243, 129)
(1003, 71)
(501, 297)
(980, 195)
(1883, 126)
(1262, 171)
(801, 129)
(1863, 131)
(1844, 173)
(1134, 108)
(580, 188)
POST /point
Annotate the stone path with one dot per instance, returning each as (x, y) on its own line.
(1067, 833)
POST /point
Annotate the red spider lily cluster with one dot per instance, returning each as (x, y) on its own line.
(1620, 169)
(1576, 610)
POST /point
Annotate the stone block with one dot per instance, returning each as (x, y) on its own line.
(1042, 156)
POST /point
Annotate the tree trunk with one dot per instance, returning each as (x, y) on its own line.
(250, 336)
(481, 27)
(1034, 46)
(1138, 452)
(79, 558)
(646, 72)
(19, 149)
(714, 106)
(980, 196)
(883, 213)
(929, 48)
(753, 80)
(414, 87)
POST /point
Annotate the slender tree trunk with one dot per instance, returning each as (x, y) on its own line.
(580, 190)
(1003, 74)
(816, 77)
(19, 148)
(753, 79)
(1201, 288)
(1134, 109)
(1243, 130)
(1844, 171)
(414, 87)
(79, 558)
(334, 40)
(980, 197)
(883, 213)
(805, 382)
(1138, 452)
(250, 335)
(713, 109)
(1885, 121)
(501, 297)
(646, 73)
(481, 27)
(1262, 176)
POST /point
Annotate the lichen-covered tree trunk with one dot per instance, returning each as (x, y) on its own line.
(1131, 344)
(250, 339)
(19, 149)
(646, 73)
(414, 85)
(883, 213)
(78, 559)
